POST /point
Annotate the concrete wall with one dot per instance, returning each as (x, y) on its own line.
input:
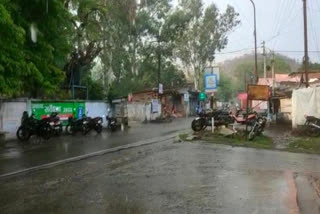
(142, 112)
(10, 117)
(11, 113)
(286, 105)
(286, 109)
(136, 111)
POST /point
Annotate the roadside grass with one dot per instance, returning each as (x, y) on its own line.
(260, 142)
(183, 136)
(309, 145)
(299, 142)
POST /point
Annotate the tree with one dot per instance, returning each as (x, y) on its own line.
(134, 42)
(206, 33)
(12, 60)
(226, 90)
(313, 65)
(241, 70)
(33, 68)
(87, 35)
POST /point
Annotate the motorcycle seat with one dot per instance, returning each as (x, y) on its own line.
(312, 118)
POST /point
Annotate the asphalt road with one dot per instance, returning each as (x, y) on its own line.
(171, 177)
(17, 156)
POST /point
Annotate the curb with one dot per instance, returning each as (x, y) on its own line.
(93, 154)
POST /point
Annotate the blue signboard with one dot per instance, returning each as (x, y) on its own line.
(211, 82)
(80, 112)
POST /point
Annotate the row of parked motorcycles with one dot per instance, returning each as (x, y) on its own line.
(52, 126)
(255, 121)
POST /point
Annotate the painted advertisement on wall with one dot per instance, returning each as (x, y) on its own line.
(65, 109)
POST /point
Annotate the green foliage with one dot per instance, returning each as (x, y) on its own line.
(127, 38)
(32, 68)
(96, 90)
(305, 145)
(12, 59)
(315, 66)
(131, 51)
(206, 34)
(226, 90)
(241, 70)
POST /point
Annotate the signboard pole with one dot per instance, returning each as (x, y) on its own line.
(212, 124)
(247, 113)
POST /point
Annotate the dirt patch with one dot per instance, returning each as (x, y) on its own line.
(280, 134)
(316, 184)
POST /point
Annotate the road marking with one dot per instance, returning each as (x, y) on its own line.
(93, 154)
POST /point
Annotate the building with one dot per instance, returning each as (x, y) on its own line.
(147, 105)
(281, 92)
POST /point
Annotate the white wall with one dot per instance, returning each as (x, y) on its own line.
(286, 105)
(97, 109)
(136, 111)
(11, 113)
(154, 116)
(305, 102)
(10, 117)
(142, 112)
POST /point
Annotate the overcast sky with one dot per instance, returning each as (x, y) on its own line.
(279, 23)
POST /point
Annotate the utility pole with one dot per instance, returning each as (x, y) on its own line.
(255, 43)
(264, 60)
(273, 75)
(159, 63)
(306, 57)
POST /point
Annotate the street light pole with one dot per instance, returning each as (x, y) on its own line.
(306, 57)
(255, 43)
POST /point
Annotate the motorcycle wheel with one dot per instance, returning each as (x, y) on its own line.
(85, 129)
(197, 125)
(23, 134)
(69, 129)
(58, 130)
(98, 128)
(312, 131)
(261, 127)
(253, 133)
(46, 132)
(113, 128)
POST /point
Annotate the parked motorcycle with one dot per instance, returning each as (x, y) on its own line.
(257, 128)
(92, 124)
(221, 117)
(112, 123)
(245, 119)
(312, 126)
(55, 123)
(75, 125)
(31, 126)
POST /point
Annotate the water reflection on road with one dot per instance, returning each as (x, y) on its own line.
(16, 156)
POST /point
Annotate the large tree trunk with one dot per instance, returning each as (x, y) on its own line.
(81, 58)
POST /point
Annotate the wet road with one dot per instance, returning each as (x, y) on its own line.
(16, 156)
(169, 177)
